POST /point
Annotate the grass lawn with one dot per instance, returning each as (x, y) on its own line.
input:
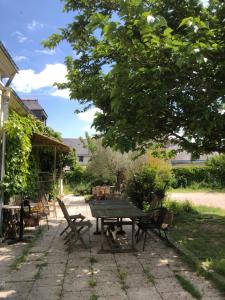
(201, 230)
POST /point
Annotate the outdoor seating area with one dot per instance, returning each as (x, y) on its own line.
(49, 270)
(112, 150)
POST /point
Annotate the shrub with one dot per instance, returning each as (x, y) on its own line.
(216, 165)
(75, 176)
(187, 176)
(147, 184)
(178, 208)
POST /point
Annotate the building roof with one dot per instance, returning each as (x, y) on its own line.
(34, 105)
(9, 57)
(16, 104)
(74, 143)
(40, 140)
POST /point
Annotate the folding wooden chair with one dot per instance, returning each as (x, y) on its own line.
(74, 218)
(77, 228)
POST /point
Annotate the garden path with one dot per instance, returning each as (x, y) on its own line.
(49, 272)
(210, 199)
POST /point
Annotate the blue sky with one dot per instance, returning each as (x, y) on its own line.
(26, 24)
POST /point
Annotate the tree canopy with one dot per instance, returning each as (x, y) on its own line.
(155, 69)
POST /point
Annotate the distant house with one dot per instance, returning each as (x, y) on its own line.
(184, 157)
(82, 152)
(36, 109)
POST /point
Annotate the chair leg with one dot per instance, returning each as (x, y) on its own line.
(145, 237)
(64, 230)
(166, 235)
(137, 235)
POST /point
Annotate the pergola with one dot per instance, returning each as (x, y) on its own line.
(43, 141)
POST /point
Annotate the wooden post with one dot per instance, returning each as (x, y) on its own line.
(4, 111)
(54, 170)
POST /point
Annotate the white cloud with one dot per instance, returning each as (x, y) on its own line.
(61, 93)
(34, 25)
(20, 58)
(47, 52)
(88, 116)
(20, 36)
(28, 80)
(90, 130)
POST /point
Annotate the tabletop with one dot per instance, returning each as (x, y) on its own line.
(14, 207)
(114, 209)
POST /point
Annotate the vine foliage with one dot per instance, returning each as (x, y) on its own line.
(22, 168)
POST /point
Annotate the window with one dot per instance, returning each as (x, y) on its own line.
(80, 158)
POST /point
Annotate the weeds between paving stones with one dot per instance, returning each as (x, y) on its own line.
(40, 267)
(122, 277)
(149, 275)
(92, 282)
(22, 257)
(93, 260)
(93, 297)
(188, 286)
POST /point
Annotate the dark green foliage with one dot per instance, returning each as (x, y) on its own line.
(212, 175)
(147, 184)
(187, 176)
(75, 176)
(23, 163)
(216, 165)
(155, 69)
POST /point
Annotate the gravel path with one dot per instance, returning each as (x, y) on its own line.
(206, 199)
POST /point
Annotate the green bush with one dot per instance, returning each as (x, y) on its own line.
(147, 184)
(75, 176)
(178, 208)
(188, 176)
(216, 165)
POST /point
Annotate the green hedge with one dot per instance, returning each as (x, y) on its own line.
(187, 176)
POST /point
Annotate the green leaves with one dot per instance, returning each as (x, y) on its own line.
(154, 68)
(21, 168)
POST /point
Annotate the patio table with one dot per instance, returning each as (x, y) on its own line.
(16, 217)
(110, 209)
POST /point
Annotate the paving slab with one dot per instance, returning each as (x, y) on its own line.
(50, 272)
(16, 290)
(141, 293)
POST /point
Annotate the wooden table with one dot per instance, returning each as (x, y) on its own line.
(17, 218)
(114, 209)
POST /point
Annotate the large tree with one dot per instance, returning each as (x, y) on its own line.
(156, 69)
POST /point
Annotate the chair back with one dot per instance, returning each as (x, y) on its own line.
(162, 213)
(65, 212)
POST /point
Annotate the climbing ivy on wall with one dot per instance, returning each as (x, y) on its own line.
(21, 167)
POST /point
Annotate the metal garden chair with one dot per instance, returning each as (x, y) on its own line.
(159, 219)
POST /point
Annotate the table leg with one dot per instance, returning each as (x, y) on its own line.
(21, 224)
(102, 233)
(133, 225)
(97, 227)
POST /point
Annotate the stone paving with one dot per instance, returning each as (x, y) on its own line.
(50, 272)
